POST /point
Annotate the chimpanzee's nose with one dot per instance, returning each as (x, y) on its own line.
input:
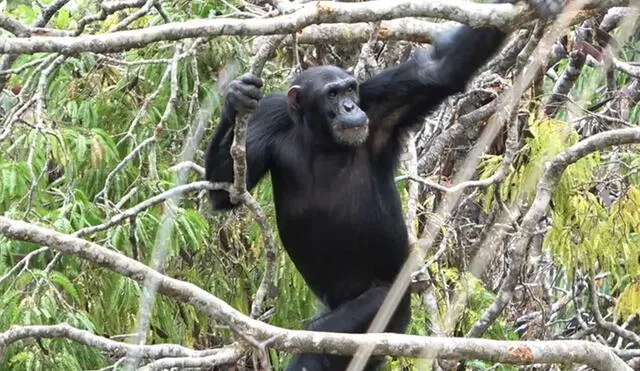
(348, 106)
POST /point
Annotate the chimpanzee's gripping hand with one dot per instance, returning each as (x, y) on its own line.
(546, 9)
(244, 93)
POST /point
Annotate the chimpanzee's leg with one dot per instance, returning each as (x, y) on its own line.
(353, 316)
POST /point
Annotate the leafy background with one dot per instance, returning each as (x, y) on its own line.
(90, 107)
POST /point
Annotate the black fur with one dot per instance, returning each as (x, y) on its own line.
(339, 214)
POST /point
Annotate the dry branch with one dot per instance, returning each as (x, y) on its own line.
(474, 14)
(238, 191)
(409, 29)
(115, 348)
(526, 352)
(228, 354)
(563, 86)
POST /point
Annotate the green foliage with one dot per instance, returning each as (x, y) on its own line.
(54, 177)
(585, 231)
(90, 106)
(629, 301)
(548, 139)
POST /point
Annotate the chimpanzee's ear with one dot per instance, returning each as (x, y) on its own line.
(293, 99)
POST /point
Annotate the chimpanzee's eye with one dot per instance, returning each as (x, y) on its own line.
(332, 93)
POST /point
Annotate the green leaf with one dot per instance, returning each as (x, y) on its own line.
(65, 284)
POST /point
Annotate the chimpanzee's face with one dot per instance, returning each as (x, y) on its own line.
(348, 123)
(328, 96)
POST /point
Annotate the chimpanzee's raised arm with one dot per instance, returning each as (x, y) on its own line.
(403, 95)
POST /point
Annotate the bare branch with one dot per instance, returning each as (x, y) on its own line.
(631, 70)
(238, 147)
(410, 29)
(49, 12)
(115, 348)
(190, 165)
(23, 67)
(13, 25)
(516, 352)
(24, 262)
(266, 288)
(228, 354)
(563, 85)
(239, 191)
(106, 8)
(104, 193)
(474, 14)
(146, 8)
(601, 322)
(162, 197)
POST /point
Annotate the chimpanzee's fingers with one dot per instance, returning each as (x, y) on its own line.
(240, 101)
(251, 79)
(250, 105)
(547, 8)
(249, 90)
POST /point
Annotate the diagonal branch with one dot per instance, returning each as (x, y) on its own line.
(516, 352)
(115, 348)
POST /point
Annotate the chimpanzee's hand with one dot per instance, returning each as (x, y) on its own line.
(546, 9)
(244, 93)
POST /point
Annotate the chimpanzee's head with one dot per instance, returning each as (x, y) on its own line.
(326, 98)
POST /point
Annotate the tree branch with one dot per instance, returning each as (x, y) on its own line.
(410, 29)
(162, 197)
(115, 348)
(600, 321)
(474, 14)
(228, 354)
(567, 351)
(13, 25)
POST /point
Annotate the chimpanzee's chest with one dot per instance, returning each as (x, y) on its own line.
(339, 214)
(344, 187)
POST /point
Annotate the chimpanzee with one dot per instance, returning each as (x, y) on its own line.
(332, 146)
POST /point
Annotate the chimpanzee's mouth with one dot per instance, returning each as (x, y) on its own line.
(352, 135)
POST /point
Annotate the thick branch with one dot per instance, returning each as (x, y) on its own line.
(13, 25)
(563, 86)
(409, 29)
(474, 14)
(570, 351)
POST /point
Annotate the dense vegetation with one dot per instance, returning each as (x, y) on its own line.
(87, 136)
